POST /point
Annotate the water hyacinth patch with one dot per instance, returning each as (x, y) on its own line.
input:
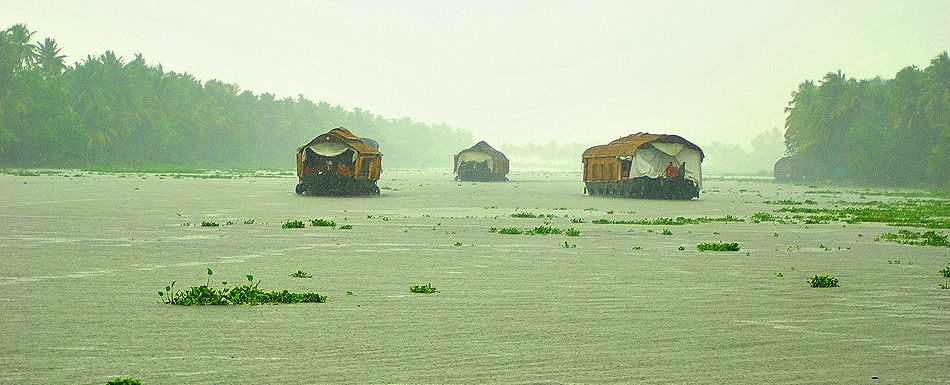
(823, 281)
(423, 289)
(720, 246)
(322, 223)
(293, 225)
(301, 274)
(239, 295)
(907, 237)
(124, 381)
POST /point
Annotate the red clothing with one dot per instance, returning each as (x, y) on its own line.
(670, 170)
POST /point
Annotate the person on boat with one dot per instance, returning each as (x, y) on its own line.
(670, 170)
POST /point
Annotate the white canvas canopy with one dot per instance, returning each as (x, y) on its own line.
(329, 149)
(651, 160)
(477, 157)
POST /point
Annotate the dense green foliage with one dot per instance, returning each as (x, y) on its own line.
(322, 223)
(107, 111)
(424, 289)
(934, 214)
(293, 225)
(301, 274)
(239, 295)
(823, 281)
(907, 237)
(882, 131)
(669, 221)
(124, 381)
(729, 246)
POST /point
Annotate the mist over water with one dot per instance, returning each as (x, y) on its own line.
(474, 192)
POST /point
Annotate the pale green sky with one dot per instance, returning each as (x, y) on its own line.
(584, 71)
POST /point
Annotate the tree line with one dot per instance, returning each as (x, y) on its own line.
(106, 111)
(875, 131)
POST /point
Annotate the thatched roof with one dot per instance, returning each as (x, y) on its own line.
(486, 148)
(627, 145)
(343, 135)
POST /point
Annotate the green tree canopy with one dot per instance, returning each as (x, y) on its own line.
(107, 111)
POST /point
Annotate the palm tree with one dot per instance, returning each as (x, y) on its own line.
(48, 58)
(19, 36)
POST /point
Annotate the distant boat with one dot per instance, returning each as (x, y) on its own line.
(338, 163)
(635, 166)
(481, 163)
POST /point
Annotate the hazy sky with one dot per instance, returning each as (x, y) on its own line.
(572, 71)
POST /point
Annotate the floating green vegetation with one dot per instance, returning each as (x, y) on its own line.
(458, 244)
(322, 223)
(945, 285)
(568, 245)
(907, 237)
(823, 192)
(293, 225)
(946, 271)
(666, 232)
(779, 274)
(301, 274)
(239, 295)
(424, 289)
(525, 214)
(544, 229)
(823, 281)
(249, 222)
(572, 232)
(762, 216)
(790, 202)
(346, 227)
(637, 248)
(681, 248)
(720, 246)
(894, 262)
(124, 381)
(932, 214)
(669, 221)
(578, 220)
(209, 224)
(510, 231)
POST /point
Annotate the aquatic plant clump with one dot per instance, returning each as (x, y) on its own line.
(823, 281)
(572, 232)
(525, 214)
(544, 229)
(729, 246)
(932, 214)
(209, 224)
(907, 237)
(293, 225)
(124, 381)
(678, 221)
(301, 274)
(510, 231)
(946, 271)
(322, 223)
(239, 295)
(762, 216)
(424, 289)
